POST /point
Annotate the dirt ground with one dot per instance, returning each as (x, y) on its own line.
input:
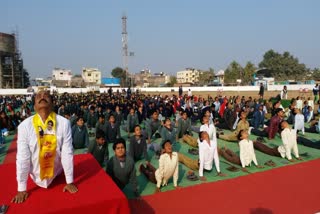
(253, 94)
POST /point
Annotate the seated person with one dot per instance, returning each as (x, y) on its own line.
(298, 121)
(273, 127)
(132, 121)
(153, 125)
(314, 127)
(289, 140)
(138, 145)
(80, 136)
(258, 118)
(113, 130)
(247, 154)
(168, 167)
(98, 148)
(184, 126)
(229, 117)
(168, 132)
(208, 152)
(209, 128)
(121, 167)
(243, 124)
(101, 124)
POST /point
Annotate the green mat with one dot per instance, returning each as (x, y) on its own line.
(147, 188)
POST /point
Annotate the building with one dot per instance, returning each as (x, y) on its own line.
(219, 77)
(189, 75)
(146, 79)
(11, 63)
(91, 76)
(61, 74)
(61, 77)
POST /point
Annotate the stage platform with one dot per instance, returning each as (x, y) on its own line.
(97, 192)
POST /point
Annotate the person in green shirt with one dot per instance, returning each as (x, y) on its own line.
(98, 148)
(121, 167)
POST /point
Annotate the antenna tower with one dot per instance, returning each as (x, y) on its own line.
(125, 46)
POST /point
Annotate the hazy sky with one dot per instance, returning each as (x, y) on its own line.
(165, 35)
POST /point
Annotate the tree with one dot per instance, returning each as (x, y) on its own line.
(283, 66)
(233, 72)
(248, 72)
(316, 74)
(119, 73)
(206, 77)
(173, 80)
(26, 79)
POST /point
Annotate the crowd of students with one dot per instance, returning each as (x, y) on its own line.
(200, 122)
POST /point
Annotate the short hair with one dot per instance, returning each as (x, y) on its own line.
(240, 134)
(80, 117)
(165, 142)
(51, 122)
(101, 116)
(100, 134)
(136, 127)
(119, 141)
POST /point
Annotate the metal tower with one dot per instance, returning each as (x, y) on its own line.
(125, 47)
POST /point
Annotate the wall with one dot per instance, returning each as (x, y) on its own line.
(169, 89)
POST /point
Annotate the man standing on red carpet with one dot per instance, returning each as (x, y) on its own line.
(43, 154)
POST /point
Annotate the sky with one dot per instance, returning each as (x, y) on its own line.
(165, 36)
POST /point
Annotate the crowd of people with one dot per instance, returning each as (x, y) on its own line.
(152, 127)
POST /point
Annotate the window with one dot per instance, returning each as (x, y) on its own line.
(89, 75)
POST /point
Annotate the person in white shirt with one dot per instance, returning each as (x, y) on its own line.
(189, 93)
(168, 167)
(289, 140)
(55, 154)
(247, 154)
(299, 104)
(208, 152)
(209, 128)
(298, 121)
(284, 93)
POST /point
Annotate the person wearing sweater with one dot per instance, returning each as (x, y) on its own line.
(121, 167)
(80, 136)
(98, 148)
(138, 145)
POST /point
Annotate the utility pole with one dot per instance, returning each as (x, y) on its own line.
(125, 48)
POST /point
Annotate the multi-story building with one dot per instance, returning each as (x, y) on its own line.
(146, 79)
(61, 77)
(189, 75)
(91, 76)
(61, 74)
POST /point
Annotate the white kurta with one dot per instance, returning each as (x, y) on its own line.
(208, 153)
(28, 153)
(299, 122)
(168, 167)
(289, 140)
(211, 130)
(247, 154)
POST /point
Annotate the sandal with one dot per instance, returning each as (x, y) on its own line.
(191, 176)
(270, 163)
(233, 169)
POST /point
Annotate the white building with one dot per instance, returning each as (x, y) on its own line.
(189, 75)
(61, 74)
(91, 75)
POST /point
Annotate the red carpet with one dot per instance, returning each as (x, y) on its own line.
(290, 189)
(97, 192)
(12, 152)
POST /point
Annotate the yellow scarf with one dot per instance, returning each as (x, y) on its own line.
(47, 142)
